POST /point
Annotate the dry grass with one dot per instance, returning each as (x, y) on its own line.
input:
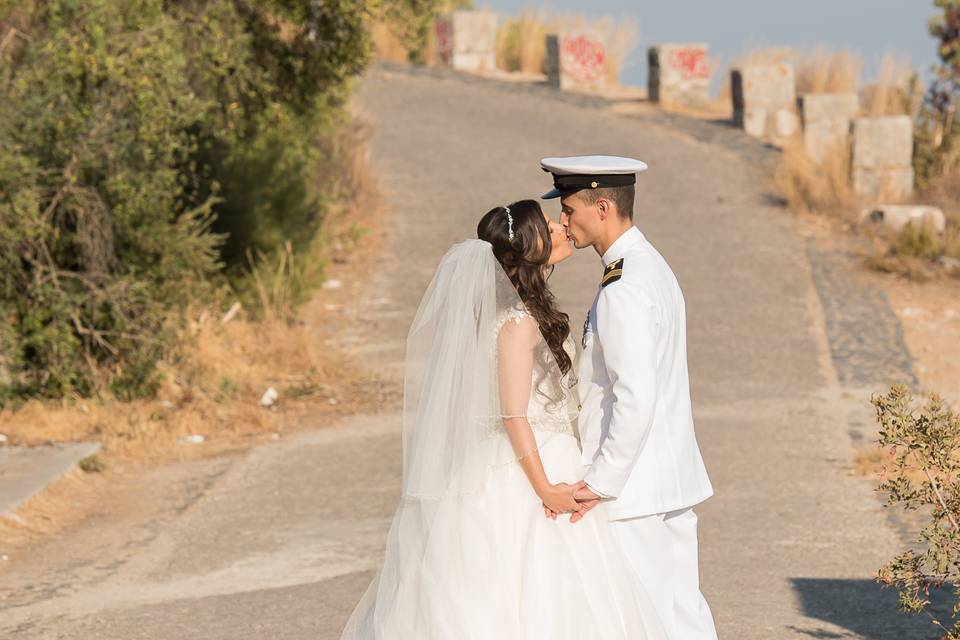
(894, 92)
(821, 70)
(869, 461)
(825, 71)
(824, 189)
(622, 37)
(769, 56)
(873, 462)
(808, 187)
(387, 46)
(819, 189)
(212, 384)
(212, 388)
(918, 253)
(521, 42)
(922, 253)
(61, 505)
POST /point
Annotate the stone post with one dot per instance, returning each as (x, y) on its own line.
(883, 157)
(678, 74)
(466, 40)
(576, 61)
(826, 122)
(765, 101)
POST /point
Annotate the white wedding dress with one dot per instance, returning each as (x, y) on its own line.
(479, 559)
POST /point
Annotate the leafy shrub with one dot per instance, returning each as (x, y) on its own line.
(145, 148)
(922, 472)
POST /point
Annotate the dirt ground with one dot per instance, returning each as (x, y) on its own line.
(930, 314)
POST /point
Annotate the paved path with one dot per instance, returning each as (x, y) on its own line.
(281, 542)
(27, 471)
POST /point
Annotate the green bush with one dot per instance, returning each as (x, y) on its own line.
(922, 473)
(412, 21)
(145, 148)
(97, 239)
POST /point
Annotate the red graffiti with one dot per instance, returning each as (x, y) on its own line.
(443, 40)
(583, 59)
(692, 62)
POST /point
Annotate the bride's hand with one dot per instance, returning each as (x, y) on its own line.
(558, 498)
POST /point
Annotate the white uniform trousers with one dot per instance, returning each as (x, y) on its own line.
(663, 551)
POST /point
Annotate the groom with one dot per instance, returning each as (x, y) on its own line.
(636, 425)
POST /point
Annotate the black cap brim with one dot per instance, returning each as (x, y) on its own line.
(550, 195)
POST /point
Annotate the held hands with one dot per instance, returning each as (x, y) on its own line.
(558, 498)
(576, 499)
(587, 499)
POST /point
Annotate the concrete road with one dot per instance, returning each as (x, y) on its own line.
(281, 542)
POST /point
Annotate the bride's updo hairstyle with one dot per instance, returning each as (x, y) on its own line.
(524, 259)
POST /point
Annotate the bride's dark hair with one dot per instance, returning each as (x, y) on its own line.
(524, 259)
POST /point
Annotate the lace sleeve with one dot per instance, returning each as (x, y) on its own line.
(515, 343)
(514, 315)
(515, 347)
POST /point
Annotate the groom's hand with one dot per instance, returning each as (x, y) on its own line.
(587, 499)
(584, 494)
(584, 508)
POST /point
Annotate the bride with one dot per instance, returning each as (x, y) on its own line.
(489, 454)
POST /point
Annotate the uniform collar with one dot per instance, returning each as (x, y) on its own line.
(627, 239)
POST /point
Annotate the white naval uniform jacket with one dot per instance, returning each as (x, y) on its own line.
(636, 424)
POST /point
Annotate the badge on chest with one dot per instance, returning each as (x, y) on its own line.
(587, 330)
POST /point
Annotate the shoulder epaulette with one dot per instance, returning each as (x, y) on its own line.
(612, 273)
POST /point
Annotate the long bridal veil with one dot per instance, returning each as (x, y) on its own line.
(453, 434)
(453, 400)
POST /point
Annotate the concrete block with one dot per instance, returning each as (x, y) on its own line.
(755, 122)
(576, 60)
(896, 184)
(896, 216)
(883, 142)
(827, 118)
(466, 40)
(826, 136)
(786, 123)
(815, 107)
(765, 94)
(883, 157)
(678, 74)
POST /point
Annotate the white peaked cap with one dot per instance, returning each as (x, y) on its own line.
(574, 173)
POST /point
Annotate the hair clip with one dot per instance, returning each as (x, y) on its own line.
(509, 222)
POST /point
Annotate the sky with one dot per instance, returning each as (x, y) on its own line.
(730, 27)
